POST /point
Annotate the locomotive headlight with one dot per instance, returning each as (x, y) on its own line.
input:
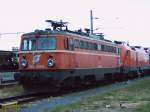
(24, 63)
(50, 62)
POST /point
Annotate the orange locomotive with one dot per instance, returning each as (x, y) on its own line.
(61, 57)
(135, 59)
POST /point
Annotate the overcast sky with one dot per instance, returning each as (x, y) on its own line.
(126, 20)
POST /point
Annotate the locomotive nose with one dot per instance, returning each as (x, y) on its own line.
(36, 58)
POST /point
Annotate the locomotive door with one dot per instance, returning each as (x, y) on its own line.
(137, 60)
(71, 55)
(128, 59)
(149, 57)
(71, 44)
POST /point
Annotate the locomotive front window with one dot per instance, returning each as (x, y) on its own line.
(46, 43)
(25, 45)
(28, 44)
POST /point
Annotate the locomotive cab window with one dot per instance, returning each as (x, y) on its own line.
(46, 43)
(28, 44)
(41, 43)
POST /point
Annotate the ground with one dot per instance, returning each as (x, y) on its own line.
(133, 98)
(12, 90)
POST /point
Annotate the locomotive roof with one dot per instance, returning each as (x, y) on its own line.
(79, 34)
(65, 32)
(60, 28)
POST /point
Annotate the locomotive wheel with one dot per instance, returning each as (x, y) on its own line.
(89, 80)
(109, 78)
(71, 82)
(67, 83)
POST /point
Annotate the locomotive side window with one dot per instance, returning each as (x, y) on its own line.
(107, 48)
(45, 43)
(102, 47)
(86, 45)
(71, 44)
(77, 43)
(95, 46)
(81, 44)
(99, 47)
(118, 50)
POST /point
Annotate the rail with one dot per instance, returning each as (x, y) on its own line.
(24, 98)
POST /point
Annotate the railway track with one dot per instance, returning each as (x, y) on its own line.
(7, 84)
(52, 102)
(37, 96)
(7, 78)
(31, 97)
(24, 98)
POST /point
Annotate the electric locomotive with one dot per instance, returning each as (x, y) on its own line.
(60, 57)
(135, 60)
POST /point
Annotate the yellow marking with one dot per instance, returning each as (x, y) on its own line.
(10, 107)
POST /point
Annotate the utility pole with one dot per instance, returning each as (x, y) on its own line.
(91, 21)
